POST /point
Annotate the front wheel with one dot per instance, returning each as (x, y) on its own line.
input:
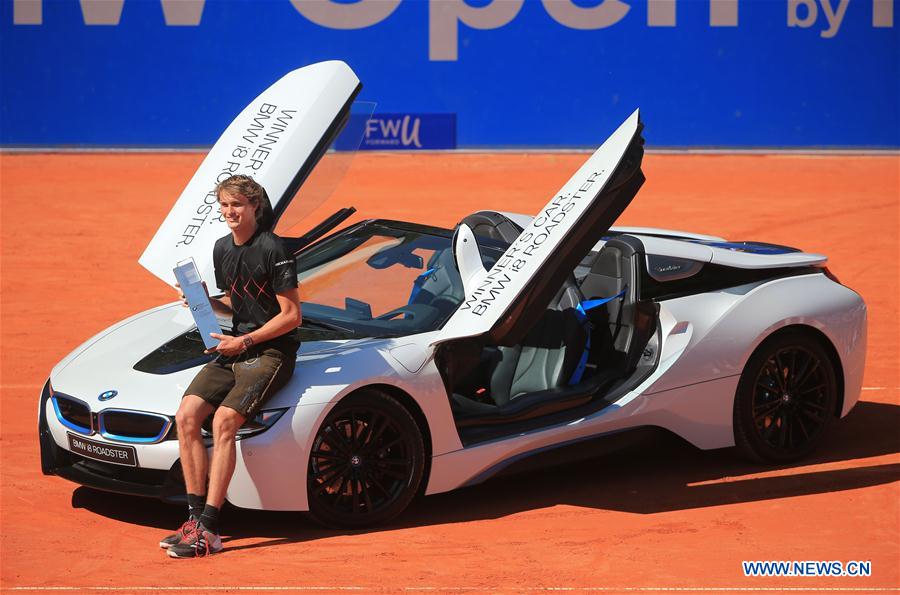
(785, 400)
(366, 463)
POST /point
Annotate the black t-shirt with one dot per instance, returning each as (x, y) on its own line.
(253, 273)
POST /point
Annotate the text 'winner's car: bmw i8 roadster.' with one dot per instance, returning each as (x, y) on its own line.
(432, 358)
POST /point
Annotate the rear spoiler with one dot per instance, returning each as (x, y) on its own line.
(743, 255)
(745, 260)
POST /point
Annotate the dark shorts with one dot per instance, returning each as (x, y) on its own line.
(246, 381)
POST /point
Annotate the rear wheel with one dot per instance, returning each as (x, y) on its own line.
(785, 400)
(366, 463)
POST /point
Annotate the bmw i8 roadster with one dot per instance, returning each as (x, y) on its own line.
(432, 357)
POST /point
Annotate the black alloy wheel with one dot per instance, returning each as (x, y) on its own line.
(366, 463)
(786, 399)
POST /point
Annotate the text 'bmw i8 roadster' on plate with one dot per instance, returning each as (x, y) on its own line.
(432, 358)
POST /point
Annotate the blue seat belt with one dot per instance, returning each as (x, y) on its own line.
(418, 283)
(581, 312)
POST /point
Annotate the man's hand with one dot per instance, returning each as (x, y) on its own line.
(227, 346)
(183, 299)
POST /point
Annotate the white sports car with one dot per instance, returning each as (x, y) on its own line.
(432, 358)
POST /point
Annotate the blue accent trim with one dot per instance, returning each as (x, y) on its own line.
(501, 465)
(749, 247)
(131, 439)
(582, 362)
(581, 311)
(417, 285)
(134, 439)
(67, 423)
(586, 305)
(102, 429)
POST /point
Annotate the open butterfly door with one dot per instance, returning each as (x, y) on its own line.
(503, 302)
(277, 139)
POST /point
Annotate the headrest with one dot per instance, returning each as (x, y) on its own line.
(608, 262)
(493, 225)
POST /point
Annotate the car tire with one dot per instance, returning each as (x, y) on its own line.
(366, 462)
(786, 399)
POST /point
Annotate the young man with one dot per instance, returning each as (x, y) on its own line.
(260, 281)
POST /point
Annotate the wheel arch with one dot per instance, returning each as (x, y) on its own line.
(826, 343)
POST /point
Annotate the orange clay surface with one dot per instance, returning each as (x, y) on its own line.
(657, 515)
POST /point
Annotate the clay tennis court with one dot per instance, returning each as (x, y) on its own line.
(657, 515)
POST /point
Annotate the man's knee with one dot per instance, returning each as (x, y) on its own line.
(226, 423)
(190, 415)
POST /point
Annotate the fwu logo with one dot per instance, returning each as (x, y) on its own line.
(445, 16)
(410, 132)
(389, 130)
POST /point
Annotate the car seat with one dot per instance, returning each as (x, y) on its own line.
(612, 272)
(545, 359)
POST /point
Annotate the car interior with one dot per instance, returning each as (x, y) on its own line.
(571, 360)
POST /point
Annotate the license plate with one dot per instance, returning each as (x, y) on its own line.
(101, 451)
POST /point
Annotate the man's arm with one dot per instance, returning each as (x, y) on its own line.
(285, 321)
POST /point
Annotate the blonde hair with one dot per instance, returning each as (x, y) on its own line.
(253, 192)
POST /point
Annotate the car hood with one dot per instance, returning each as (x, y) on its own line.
(108, 361)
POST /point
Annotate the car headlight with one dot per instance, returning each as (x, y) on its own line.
(259, 424)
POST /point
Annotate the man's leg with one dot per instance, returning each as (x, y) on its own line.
(189, 419)
(194, 463)
(205, 540)
(197, 537)
(256, 379)
(226, 423)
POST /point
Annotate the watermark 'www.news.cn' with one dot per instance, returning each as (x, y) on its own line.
(806, 568)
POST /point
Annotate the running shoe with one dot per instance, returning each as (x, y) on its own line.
(198, 543)
(178, 536)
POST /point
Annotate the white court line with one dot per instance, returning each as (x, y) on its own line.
(439, 589)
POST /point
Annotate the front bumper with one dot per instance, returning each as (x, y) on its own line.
(267, 475)
(167, 485)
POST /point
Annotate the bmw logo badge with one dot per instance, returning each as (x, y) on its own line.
(107, 395)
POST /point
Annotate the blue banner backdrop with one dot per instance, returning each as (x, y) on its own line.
(719, 73)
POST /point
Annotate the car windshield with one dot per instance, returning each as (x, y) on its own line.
(377, 280)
